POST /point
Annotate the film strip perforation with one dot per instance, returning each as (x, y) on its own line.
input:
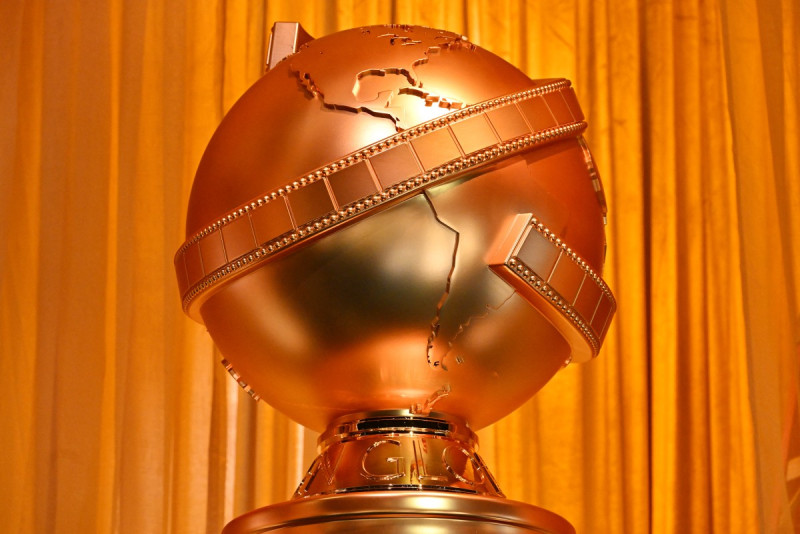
(340, 213)
(379, 147)
(594, 334)
(277, 244)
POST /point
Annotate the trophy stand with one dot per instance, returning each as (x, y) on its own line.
(396, 237)
(402, 473)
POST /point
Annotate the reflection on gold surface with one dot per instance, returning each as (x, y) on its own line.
(397, 289)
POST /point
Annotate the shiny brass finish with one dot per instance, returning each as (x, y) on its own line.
(540, 266)
(358, 184)
(404, 512)
(398, 451)
(396, 223)
(286, 38)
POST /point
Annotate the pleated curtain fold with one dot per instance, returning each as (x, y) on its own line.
(115, 414)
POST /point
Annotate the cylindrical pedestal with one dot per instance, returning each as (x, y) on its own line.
(400, 512)
(400, 473)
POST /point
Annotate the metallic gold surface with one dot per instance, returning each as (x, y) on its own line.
(403, 512)
(285, 39)
(398, 450)
(376, 176)
(396, 237)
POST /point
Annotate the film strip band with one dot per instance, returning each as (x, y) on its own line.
(543, 268)
(236, 376)
(383, 172)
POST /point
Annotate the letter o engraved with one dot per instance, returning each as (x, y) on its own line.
(476, 466)
(399, 461)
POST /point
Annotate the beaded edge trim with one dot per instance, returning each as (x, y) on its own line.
(402, 189)
(236, 376)
(373, 150)
(539, 284)
(293, 236)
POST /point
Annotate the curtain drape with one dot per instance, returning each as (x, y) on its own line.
(115, 415)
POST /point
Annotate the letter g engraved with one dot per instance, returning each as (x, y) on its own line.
(399, 461)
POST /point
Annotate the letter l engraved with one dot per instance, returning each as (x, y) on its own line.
(419, 460)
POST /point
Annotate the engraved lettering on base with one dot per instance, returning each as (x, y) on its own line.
(393, 221)
(398, 461)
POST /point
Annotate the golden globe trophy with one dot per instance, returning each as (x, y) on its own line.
(395, 237)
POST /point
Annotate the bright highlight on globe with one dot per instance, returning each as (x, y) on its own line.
(396, 238)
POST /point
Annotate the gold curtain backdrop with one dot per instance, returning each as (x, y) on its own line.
(115, 414)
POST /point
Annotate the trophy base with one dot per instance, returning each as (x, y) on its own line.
(399, 472)
(400, 512)
(398, 450)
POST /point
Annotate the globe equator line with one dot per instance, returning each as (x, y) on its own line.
(357, 208)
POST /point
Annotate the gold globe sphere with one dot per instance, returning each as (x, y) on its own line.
(393, 218)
